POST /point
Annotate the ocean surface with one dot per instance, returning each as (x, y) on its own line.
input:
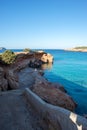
(70, 70)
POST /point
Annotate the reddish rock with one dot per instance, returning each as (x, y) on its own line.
(58, 86)
(50, 92)
(41, 56)
(53, 95)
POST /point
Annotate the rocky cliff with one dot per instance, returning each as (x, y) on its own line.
(42, 56)
(53, 93)
(49, 92)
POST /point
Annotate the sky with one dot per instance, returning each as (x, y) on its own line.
(45, 24)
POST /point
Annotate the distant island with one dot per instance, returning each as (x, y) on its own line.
(2, 48)
(78, 49)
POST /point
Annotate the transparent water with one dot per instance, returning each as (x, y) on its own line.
(70, 69)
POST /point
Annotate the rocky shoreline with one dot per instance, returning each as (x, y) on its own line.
(26, 73)
(49, 92)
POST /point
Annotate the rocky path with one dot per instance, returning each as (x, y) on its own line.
(15, 114)
(26, 77)
(51, 93)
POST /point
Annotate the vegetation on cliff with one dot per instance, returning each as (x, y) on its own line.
(78, 49)
(81, 47)
(27, 50)
(8, 57)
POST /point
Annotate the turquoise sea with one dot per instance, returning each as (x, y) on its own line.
(70, 70)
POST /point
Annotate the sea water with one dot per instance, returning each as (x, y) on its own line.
(70, 70)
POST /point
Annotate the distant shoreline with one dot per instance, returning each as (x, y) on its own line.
(77, 49)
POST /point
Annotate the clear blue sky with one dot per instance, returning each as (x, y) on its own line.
(43, 23)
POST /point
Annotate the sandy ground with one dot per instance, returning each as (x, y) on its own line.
(15, 114)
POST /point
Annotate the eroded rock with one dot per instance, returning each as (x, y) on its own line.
(53, 95)
(35, 63)
(47, 58)
(3, 81)
(12, 79)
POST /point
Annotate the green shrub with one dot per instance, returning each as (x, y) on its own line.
(26, 50)
(81, 47)
(8, 57)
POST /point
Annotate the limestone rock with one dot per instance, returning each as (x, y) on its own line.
(47, 58)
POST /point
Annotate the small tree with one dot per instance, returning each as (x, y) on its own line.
(26, 50)
(8, 57)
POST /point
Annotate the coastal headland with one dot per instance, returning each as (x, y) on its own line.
(25, 77)
(78, 49)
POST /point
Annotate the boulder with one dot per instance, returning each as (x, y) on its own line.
(12, 79)
(59, 86)
(53, 95)
(46, 66)
(47, 58)
(35, 63)
(3, 81)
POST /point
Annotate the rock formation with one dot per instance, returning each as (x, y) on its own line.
(35, 63)
(47, 58)
(41, 56)
(3, 81)
(53, 93)
(12, 79)
(8, 80)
